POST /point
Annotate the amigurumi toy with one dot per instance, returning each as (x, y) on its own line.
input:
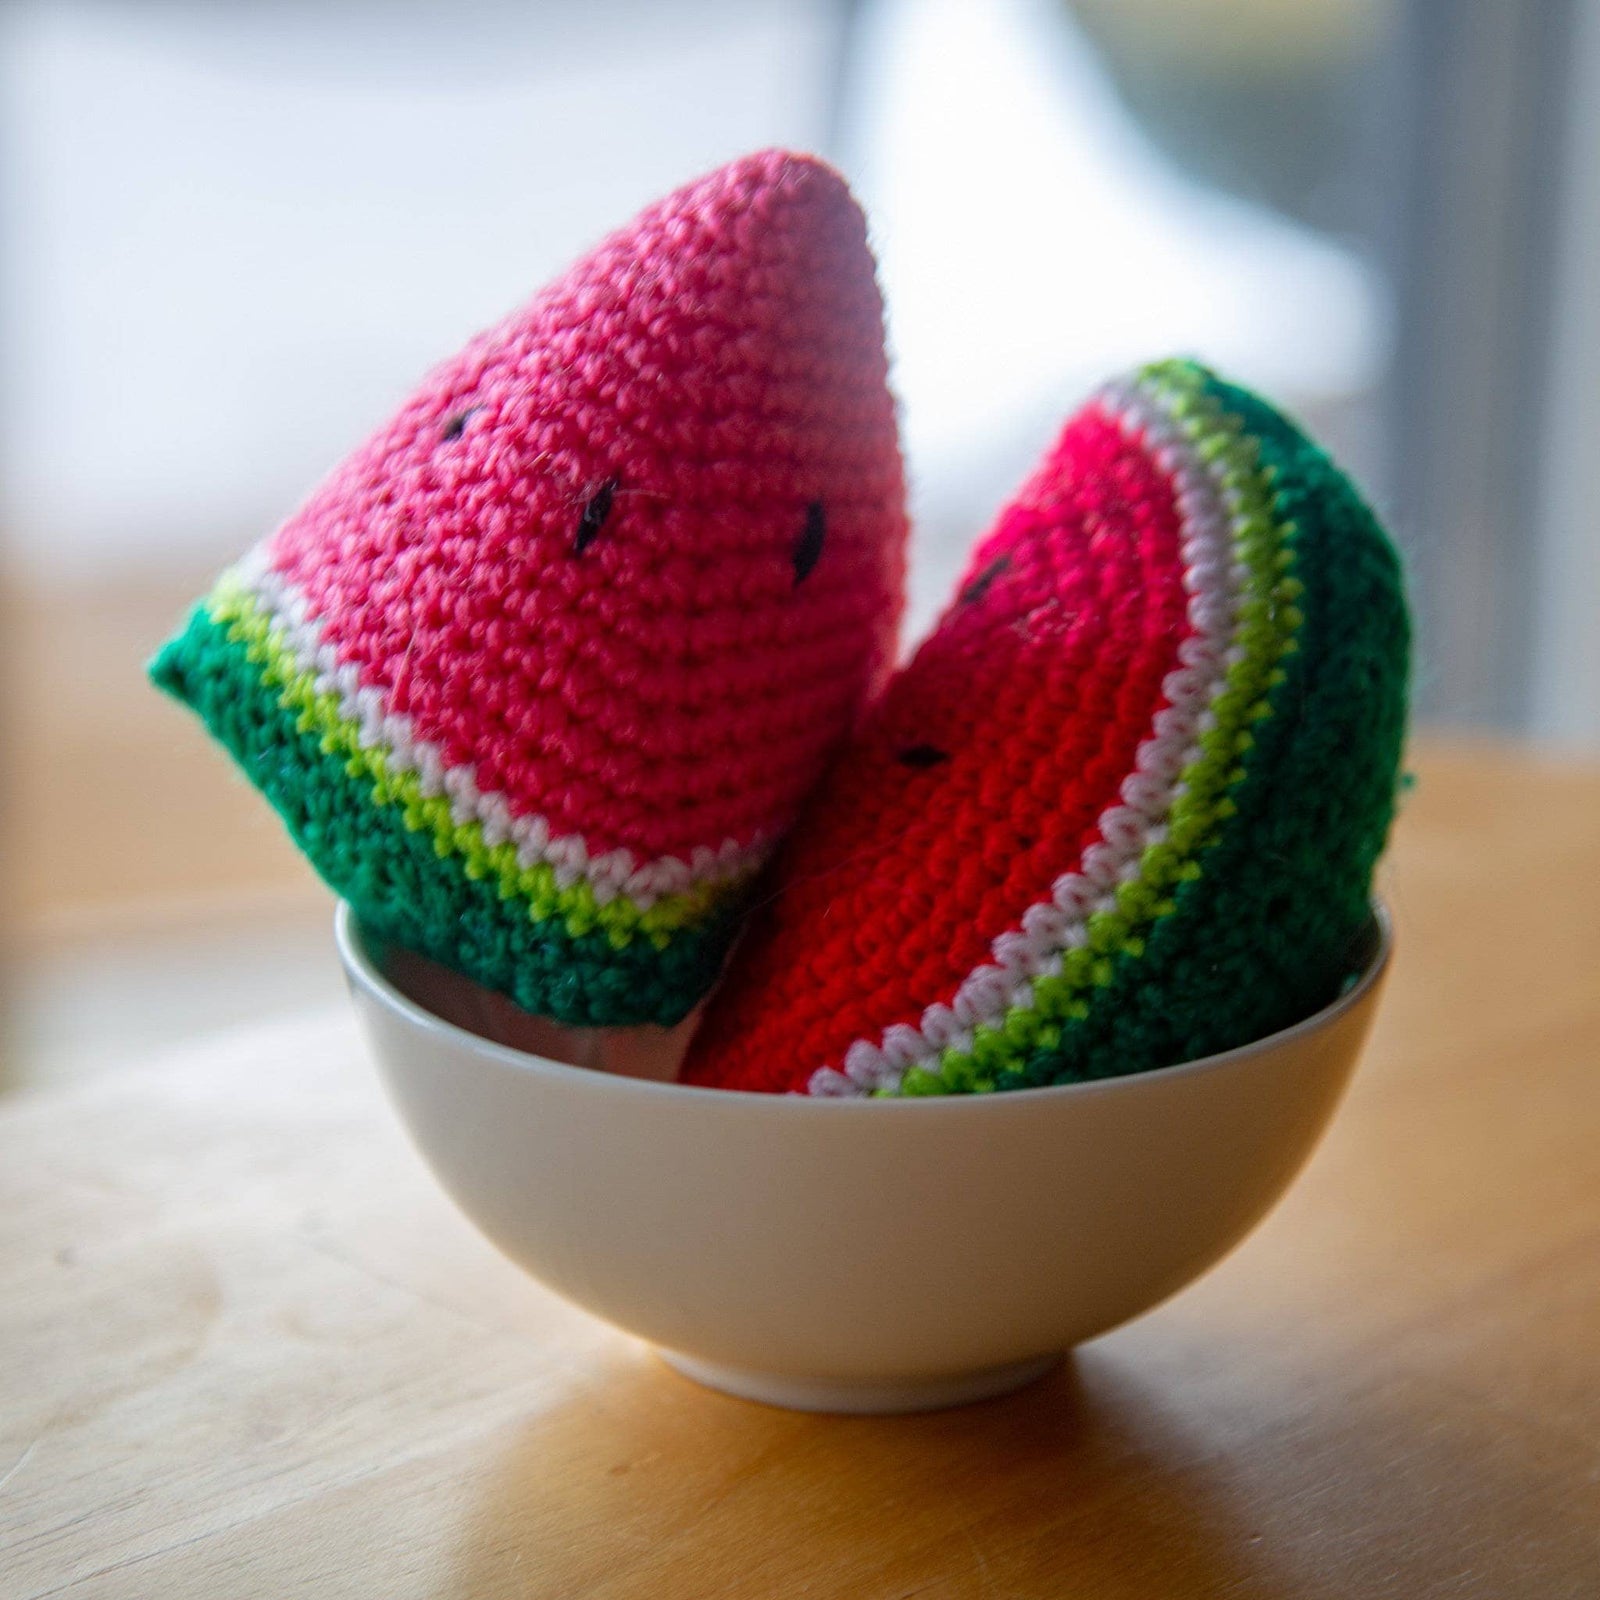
(1122, 808)
(541, 673)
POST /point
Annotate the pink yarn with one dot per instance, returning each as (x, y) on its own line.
(634, 556)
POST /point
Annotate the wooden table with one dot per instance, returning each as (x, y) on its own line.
(247, 1349)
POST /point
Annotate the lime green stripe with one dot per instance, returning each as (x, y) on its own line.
(1267, 619)
(266, 640)
(401, 888)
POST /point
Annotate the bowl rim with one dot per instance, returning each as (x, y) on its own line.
(350, 938)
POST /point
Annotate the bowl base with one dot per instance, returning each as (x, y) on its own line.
(862, 1396)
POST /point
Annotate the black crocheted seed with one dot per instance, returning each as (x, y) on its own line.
(594, 516)
(457, 425)
(981, 585)
(808, 547)
(922, 756)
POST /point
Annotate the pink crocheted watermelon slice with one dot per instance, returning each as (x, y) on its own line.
(1122, 808)
(541, 673)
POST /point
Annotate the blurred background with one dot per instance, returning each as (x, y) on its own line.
(235, 233)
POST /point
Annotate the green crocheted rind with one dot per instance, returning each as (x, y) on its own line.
(374, 847)
(1245, 919)
(576, 905)
(1268, 932)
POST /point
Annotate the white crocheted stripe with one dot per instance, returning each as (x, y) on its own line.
(610, 874)
(1213, 577)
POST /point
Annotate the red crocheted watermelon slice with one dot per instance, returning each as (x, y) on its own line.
(1122, 808)
(541, 673)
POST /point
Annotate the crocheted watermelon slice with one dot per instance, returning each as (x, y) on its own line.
(541, 673)
(1122, 808)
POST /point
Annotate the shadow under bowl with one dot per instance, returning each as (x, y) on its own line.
(860, 1255)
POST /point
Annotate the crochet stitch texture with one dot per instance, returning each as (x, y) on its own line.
(1122, 808)
(541, 673)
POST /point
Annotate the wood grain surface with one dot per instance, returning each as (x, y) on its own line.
(247, 1348)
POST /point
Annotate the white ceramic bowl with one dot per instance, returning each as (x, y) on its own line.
(860, 1255)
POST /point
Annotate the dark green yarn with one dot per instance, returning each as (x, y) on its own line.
(1268, 933)
(395, 878)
